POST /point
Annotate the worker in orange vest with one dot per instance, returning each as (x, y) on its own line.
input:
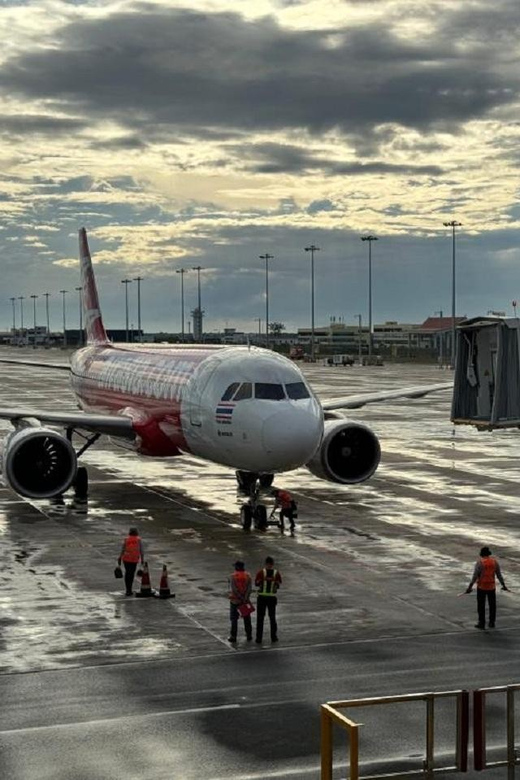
(240, 586)
(131, 553)
(287, 505)
(486, 569)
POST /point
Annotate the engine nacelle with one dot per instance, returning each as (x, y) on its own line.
(348, 453)
(38, 462)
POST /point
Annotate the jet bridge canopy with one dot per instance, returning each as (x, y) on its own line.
(487, 373)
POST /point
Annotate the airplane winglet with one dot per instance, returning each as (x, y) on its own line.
(96, 333)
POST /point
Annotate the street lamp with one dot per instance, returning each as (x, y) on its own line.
(139, 279)
(14, 315)
(46, 296)
(453, 224)
(312, 249)
(64, 293)
(34, 319)
(21, 299)
(369, 239)
(80, 305)
(126, 282)
(441, 338)
(199, 336)
(182, 271)
(266, 257)
(359, 337)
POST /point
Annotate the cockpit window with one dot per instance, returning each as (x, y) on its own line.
(297, 390)
(246, 391)
(230, 391)
(269, 392)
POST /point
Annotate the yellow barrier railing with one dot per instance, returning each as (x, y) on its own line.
(331, 715)
(479, 729)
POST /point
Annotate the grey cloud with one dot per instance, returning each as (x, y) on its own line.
(120, 143)
(26, 124)
(185, 69)
(285, 158)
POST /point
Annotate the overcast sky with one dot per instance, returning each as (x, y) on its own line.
(211, 134)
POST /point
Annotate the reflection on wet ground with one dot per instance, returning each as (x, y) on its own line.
(389, 556)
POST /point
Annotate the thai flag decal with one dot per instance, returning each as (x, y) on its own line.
(224, 412)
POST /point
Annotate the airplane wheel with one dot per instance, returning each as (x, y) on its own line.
(266, 480)
(246, 517)
(261, 517)
(81, 482)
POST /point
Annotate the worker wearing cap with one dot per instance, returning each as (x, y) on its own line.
(487, 568)
(267, 580)
(240, 586)
(284, 501)
(131, 553)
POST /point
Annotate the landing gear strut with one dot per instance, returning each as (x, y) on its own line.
(253, 511)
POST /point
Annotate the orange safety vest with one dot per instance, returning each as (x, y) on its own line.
(486, 581)
(240, 582)
(132, 551)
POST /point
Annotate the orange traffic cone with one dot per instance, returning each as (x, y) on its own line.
(146, 587)
(164, 587)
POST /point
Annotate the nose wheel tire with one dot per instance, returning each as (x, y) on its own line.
(260, 517)
(246, 517)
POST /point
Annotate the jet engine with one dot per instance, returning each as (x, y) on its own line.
(38, 462)
(348, 453)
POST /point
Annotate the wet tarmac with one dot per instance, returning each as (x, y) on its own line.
(370, 606)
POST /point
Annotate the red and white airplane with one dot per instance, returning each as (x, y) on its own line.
(243, 407)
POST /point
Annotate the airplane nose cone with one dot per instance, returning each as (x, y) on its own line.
(291, 437)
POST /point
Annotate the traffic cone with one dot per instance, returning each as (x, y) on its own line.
(146, 587)
(164, 587)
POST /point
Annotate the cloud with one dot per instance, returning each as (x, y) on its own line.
(183, 69)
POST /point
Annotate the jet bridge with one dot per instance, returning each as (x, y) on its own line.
(487, 373)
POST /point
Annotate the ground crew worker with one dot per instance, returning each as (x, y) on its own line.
(486, 569)
(131, 553)
(240, 586)
(267, 580)
(285, 502)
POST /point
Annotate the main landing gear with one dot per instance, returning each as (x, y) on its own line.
(253, 512)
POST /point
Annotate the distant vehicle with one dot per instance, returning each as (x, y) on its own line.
(247, 408)
(339, 360)
(297, 353)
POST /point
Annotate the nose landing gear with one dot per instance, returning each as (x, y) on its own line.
(253, 511)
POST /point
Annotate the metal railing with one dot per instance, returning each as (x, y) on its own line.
(330, 714)
(479, 729)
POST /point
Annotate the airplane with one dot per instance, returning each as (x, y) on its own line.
(243, 407)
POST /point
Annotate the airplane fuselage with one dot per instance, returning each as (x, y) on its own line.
(247, 408)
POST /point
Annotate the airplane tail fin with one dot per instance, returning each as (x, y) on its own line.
(96, 333)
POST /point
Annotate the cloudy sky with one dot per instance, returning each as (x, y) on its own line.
(211, 134)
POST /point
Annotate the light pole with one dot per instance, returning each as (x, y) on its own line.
(199, 335)
(441, 338)
(21, 299)
(126, 282)
(14, 315)
(182, 271)
(139, 279)
(259, 320)
(312, 249)
(80, 308)
(359, 337)
(46, 296)
(369, 239)
(453, 224)
(63, 294)
(266, 257)
(34, 319)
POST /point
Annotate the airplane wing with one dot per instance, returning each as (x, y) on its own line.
(357, 401)
(37, 364)
(117, 425)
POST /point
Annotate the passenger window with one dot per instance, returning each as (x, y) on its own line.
(230, 391)
(297, 390)
(269, 392)
(246, 391)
